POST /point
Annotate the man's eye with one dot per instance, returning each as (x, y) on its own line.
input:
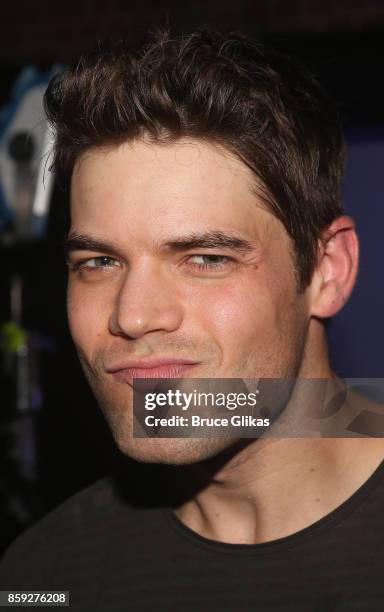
(103, 261)
(203, 262)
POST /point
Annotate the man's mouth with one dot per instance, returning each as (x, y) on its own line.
(151, 368)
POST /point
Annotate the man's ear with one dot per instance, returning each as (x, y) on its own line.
(336, 270)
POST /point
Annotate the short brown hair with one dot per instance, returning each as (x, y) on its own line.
(262, 106)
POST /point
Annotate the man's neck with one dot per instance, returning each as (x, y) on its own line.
(276, 487)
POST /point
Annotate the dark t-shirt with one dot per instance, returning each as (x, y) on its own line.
(111, 555)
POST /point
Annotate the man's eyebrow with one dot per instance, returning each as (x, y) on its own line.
(210, 240)
(81, 242)
(205, 240)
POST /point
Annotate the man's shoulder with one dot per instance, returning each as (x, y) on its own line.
(73, 512)
(67, 529)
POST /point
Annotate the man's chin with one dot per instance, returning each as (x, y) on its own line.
(173, 451)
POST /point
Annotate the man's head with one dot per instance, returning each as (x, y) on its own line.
(206, 170)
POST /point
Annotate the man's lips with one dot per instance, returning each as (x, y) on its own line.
(151, 368)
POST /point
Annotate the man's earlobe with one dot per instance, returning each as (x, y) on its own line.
(336, 270)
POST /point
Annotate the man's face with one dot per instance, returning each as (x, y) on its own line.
(192, 267)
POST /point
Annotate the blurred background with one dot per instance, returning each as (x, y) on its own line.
(53, 440)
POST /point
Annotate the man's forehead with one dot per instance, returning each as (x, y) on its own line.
(191, 186)
(184, 169)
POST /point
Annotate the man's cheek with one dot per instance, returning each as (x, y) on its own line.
(230, 315)
(84, 317)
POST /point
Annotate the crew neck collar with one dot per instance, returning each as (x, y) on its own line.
(290, 541)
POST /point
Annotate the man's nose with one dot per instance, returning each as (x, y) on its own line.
(146, 302)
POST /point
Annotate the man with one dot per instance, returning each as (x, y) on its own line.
(207, 241)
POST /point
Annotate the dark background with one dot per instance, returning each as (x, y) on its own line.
(342, 43)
